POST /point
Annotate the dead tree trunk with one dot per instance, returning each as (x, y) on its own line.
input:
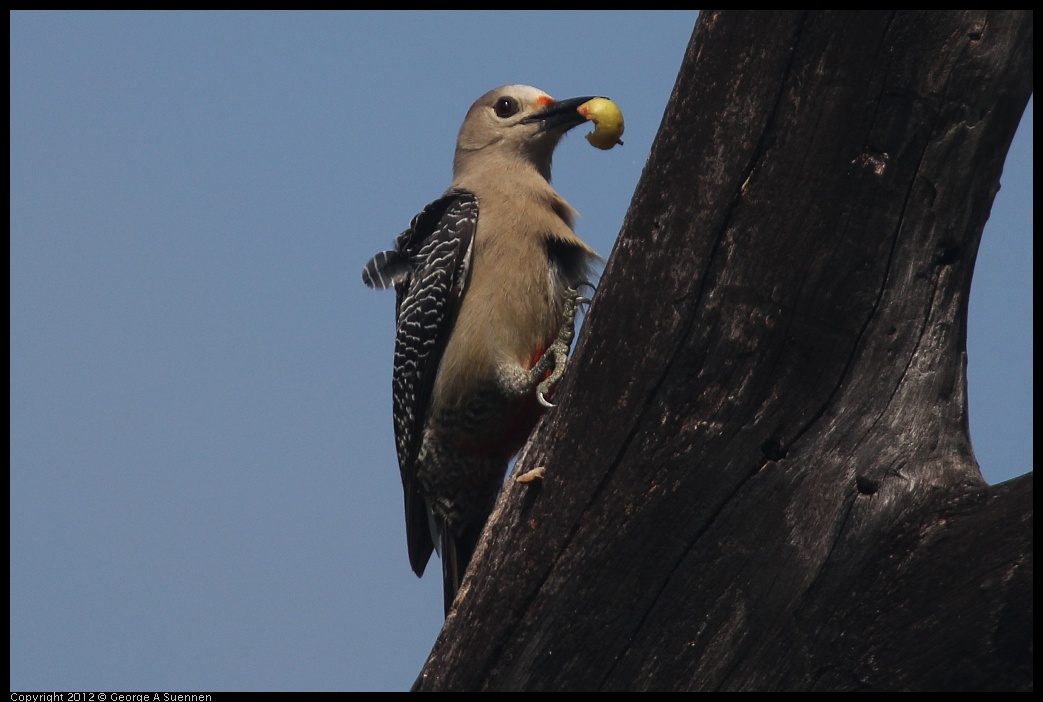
(759, 475)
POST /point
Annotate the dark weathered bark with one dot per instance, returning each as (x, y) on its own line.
(759, 475)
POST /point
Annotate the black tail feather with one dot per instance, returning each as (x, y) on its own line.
(456, 555)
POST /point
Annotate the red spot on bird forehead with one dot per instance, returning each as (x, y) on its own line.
(544, 101)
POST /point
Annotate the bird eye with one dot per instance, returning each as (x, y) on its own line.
(506, 107)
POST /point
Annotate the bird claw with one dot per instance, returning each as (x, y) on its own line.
(583, 299)
(543, 400)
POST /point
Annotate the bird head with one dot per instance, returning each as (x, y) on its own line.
(517, 124)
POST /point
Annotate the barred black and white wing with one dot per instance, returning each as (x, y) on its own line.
(428, 268)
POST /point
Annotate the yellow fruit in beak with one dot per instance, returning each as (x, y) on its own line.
(607, 119)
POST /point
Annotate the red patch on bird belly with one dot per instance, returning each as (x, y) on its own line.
(537, 354)
(519, 420)
(510, 434)
(520, 423)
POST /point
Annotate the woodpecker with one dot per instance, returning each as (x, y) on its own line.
(486, 281)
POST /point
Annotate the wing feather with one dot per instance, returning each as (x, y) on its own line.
(428, 268)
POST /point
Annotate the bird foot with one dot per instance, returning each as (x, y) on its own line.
(558, 353)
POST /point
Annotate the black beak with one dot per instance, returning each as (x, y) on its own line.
(560, 115)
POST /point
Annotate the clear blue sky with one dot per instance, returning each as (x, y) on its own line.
(204, 490)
